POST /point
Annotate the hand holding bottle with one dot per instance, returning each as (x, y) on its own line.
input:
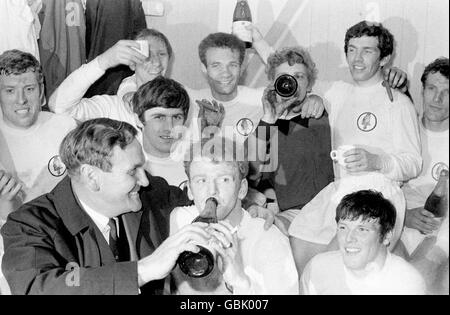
(421, 220)
(230, 259)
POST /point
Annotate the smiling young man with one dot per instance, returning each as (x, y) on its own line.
(250, 259)
(384, 135)
(162, 106)
(362, 265)
(89, 235)
(29, 137)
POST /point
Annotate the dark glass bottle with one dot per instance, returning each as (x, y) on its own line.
(437, 201)
(198, 265)
(242, 17)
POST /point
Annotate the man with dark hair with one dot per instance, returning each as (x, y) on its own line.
(376, 132)
(424, 236)
(250, 259)
(362, 265)
(88, 236)
(162, 106)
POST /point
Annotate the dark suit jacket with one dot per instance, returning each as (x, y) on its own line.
(53, 247)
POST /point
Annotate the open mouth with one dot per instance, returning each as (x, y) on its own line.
(358, 68)
(22, 111)
(352, 250)
(135, 191)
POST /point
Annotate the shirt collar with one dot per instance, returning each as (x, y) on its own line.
(99, 219)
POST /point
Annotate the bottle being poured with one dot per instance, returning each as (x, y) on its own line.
(198, 265)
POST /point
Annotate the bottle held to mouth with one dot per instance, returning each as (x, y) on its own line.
(198, 265)
(242, 18)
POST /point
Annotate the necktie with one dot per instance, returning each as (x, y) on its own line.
(118, 241)
(113, 238)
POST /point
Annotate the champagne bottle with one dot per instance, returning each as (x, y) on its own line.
(242, 17)
(198, 265)
(437, 201)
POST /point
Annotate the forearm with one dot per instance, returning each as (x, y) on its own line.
(263, 49)
(69, 95)
(400, 167)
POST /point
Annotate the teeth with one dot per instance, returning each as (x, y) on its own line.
(352, 250)
(22, 111)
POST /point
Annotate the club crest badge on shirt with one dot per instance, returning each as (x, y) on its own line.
(56, 167)
(367, 122)
(245, 126)
(437, 168)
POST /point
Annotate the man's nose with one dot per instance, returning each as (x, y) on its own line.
(21, 98)
(212, 188)
(154, 59)
(168, 124)
(142, 179)
(350, 237)
(438, 96)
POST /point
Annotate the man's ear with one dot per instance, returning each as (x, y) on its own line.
(42, 93)
(387, 238)
(204, 70)
(385, 60)
(90, 176)
(243, 189)
(189, 192)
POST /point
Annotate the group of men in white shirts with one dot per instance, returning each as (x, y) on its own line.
(389, 146)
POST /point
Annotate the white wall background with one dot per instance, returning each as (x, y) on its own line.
(421, 29)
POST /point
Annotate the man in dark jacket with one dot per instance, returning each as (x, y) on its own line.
(89, 235)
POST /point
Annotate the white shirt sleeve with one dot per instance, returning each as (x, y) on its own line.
(275, 272)
(68, 97)
(406, 163)
(263, 49)
(306, 285)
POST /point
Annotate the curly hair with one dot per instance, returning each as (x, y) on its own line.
(15, 62)
(160, 92)
(292, 55)
(372, 29)
(440, 65)
(92, 143)
(221, 40)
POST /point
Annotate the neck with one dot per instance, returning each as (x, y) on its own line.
(224, 97)
(235, 216)
(376, 79)
(83, 194)
(435, 126)
(150, 150)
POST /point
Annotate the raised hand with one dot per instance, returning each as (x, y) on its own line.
(124, 52)
(210, 113)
